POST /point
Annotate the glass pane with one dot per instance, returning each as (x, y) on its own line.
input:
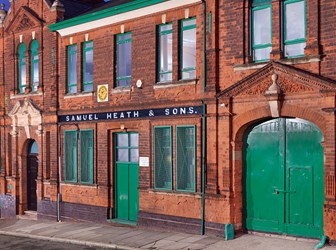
(22, 89)
(262, 26)
(295, 21)
(189, 22)
(166, 27)
(295, 49)
(189, 49)
(124, 83)
(262, 54)
(88, 45)
(166, 53)
(86, 164)
(34, 148)
(185, 158)
(134, 155)
(35, 76)
(189, 74)
(72, 89)
(123, 37)
(166, 77)
(163, 158)
(70, 157)
(88, 87)
(23, 72)
(134, 140)
(122, 140)
(88, 74)
(73, 69)
(124, 60)
(122, 155)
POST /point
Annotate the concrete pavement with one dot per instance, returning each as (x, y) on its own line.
(129, 238)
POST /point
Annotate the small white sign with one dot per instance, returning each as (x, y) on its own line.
(144, 161)
(102, 93)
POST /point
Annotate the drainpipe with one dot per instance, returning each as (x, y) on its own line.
(59, 194)
(204, 120)
(321, 244)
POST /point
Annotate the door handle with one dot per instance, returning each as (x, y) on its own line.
(278, 191)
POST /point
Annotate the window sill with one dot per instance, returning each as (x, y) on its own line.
(18, 96)
(172, 84)
(175, 193)
(77, 95)
(118, 90)
(301, 60)
(287, 61)
(77, 184)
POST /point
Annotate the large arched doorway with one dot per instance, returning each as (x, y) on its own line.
(32, 170)
(284, 180)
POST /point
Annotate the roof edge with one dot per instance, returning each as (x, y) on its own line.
(137, 4)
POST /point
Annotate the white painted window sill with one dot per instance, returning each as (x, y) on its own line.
(119, 90)
(287, 61)
(18, 96)
(173, 84)
(78, 95)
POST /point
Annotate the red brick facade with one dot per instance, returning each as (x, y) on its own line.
(235, 93)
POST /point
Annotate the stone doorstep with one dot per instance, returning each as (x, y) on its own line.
(282, 236)
(28, 215)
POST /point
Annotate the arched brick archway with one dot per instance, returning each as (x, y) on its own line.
(28, 169)
(242, 125)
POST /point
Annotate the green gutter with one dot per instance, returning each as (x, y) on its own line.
(134, 5)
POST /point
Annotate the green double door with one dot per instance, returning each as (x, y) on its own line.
(126, 176)
(284, 185)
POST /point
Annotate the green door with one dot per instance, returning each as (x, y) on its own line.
(127, 176)
(284, 188)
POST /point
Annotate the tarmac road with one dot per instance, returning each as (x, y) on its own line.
(21, 243)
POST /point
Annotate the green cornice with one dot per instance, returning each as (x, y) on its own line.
(134, 5)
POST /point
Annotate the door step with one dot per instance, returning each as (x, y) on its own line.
(283, 236)
(28, 215)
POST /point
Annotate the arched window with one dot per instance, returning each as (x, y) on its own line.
(34, 66)
(22, 68)
(261, 29)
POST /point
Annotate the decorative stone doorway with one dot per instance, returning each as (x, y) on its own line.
(32, 173)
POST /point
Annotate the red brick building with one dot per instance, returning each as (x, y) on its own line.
(136, 112)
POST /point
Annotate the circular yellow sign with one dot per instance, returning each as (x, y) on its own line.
(102, 93)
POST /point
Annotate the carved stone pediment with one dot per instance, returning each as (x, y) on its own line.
(25, 114)
(289, 80)
(24, 19)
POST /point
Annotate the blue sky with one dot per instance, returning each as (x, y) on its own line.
(6, 2)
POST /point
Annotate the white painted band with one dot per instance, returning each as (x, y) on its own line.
(165, 6)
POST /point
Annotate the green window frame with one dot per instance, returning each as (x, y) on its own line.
(188, 48)
(165, 52)
(123, 67)
(294, 44)
(87, 64)
(163, 169)
(86, 156)
(127, 149)
(70, 155)
(261, 46)
(34, 66)
(72, 69)
(22, 76)
(186, 158)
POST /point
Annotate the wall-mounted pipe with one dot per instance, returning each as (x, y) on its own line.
(204, 119)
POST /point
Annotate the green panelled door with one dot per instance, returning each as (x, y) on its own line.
(284, 191)
(127, 176)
